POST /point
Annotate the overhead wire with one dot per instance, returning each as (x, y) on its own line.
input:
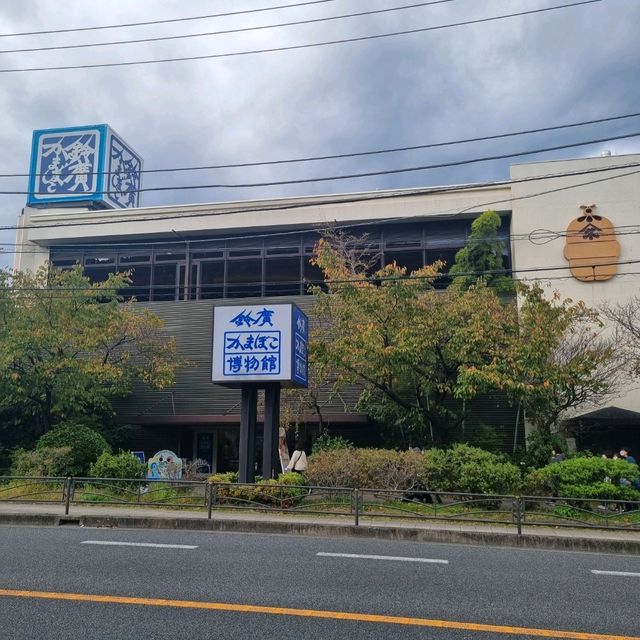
(431, 145)
(227, 31)
(366, 174)
(164, 21)
(299, 46)
(373, 279)
(345, 199)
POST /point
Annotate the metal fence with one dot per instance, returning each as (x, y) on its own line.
(354, 505)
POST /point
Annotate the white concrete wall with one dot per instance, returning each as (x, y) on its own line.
(618, 199)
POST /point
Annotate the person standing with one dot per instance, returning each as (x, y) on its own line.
(298, 462)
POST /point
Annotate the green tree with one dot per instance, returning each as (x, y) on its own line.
(405, 343)
(557, 361)
(482, 257)
(68, 347)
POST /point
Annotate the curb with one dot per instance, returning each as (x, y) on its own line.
(320, 530)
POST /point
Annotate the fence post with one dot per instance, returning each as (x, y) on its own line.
(211, 498)
(356, 495)
(518, 507)
(68, 484)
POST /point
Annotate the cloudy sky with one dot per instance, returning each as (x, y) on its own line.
(542, 69)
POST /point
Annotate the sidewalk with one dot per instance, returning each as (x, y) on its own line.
(595, 540)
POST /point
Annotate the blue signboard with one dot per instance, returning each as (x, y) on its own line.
(300, 366)
(88, 165)
(260, 344)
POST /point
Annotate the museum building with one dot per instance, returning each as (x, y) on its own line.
(186, 259)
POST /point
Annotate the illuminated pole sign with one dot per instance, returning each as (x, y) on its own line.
(260, 343)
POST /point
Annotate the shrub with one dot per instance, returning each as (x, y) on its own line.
(282, 491)
(468, 469)
(325, 442)
(124, 466)
(364, 468)
(585, 478)
(45, 461)
(85, 443)
(540, 444)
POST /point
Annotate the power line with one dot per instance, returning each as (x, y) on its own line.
(226, 31)
(351, 199)
(299, 46)
(165, 21)
(431, 145)
(367, 174)
(368, 279)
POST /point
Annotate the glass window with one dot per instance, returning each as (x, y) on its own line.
(165, 282)
(98, 274)
(244, 278)
(244, 253)
(140, 283)
(211, 283)
(66, 262)
(412, 259)
(169, 257)
(282, 276)
(313, 276)
(130, 258)
(99, 260)
(447, 256)
(208, 254)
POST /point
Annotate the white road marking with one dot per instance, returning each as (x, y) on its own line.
(140, 544)
(367, 557)
(626, 574)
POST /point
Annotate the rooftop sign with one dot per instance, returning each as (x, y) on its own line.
(83, 166)
(260, 343)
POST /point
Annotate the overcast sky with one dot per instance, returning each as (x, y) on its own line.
(543, 69)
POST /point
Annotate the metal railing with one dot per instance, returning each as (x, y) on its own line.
(355, 505)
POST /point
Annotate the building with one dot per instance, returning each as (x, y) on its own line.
(185, 259)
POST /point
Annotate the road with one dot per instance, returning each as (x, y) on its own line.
(71, 582)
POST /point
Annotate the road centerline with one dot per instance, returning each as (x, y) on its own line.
(362, 556)
(625, 574)
(153, 545)
(314, 613)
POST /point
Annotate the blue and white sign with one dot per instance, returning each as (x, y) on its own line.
(260, 343)
(83, 165)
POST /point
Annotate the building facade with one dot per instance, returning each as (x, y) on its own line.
(186, 259)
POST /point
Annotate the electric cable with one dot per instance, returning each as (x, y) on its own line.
(299, 46)
(431, 145)
(165, 21)
(366, 174)
(226, 31)
(345, 199)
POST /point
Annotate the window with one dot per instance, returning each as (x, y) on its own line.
(140, 283)
(211, 284)
(164, 282)
(411, 259)
(282, 276)
(244, 278)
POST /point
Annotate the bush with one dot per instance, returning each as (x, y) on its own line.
(584, 478)
(85, 443)
(540, 444)
(46, 461)
(282, 491)
(325, 442)
(124, 466)
(364, 468)
(466, 469)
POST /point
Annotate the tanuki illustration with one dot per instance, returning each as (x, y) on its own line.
(591, 248)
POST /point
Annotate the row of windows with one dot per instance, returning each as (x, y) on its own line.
(274, 267)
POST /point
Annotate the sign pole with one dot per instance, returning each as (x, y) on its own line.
(270, 457)
(248, 412)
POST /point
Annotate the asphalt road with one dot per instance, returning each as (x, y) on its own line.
(70, 582)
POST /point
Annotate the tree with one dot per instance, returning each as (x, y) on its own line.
(67, 347)
(405, 343)
(557, 361)
(625, 318)
(482, 257)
